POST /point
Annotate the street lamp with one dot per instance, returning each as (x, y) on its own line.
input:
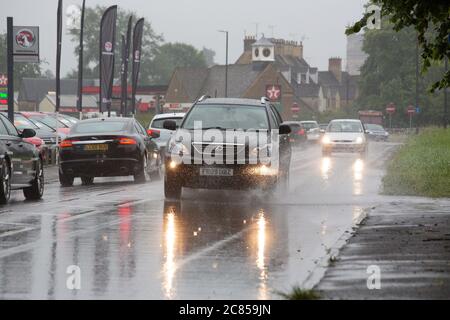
(226, 62)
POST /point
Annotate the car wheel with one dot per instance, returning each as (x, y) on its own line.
(172, 188)
(142, 176)
(86, 181)
(65, 180)
(5, 183)
(36, 190)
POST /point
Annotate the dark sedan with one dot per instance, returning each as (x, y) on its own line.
(376, 132)
(298, 133)
(20, 163)
(107, 147)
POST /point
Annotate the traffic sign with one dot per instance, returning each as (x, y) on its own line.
(417, 110)
(295, 107)
(411, 110)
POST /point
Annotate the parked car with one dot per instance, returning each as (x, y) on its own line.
(21, 166)
(44, 121)
(226, 115)
(69, 121)
(106, 147)
(298, 133)
(312, 130)
(344, 135)
(376, 132)
(157, 126)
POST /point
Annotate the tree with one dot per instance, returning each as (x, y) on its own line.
(430, 19)
(21, 70)
(209, 55)
(150, 43)
(388, 75)
(172, 55)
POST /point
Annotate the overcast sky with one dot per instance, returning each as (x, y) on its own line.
(321, 23)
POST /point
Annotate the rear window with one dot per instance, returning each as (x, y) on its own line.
(309, 125)
(99, 127)
(158, 123)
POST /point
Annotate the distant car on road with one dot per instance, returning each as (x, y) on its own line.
(69, 121)
(344, 135)
(323, 127)
(376, 132)
(21, 166)
(106, 147)
(298, 133)
(157, 126)
(43, 121)
(234, 170)
(312, 130)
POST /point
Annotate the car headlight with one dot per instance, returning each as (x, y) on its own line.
(359, 140)
(177, 148)
(326, 140)
(262, 152)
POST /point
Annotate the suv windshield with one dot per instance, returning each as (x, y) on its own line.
(228, 117)
(345, 126)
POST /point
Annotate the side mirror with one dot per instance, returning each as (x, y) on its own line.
(170, 125)
(27, 133)
(284, 129)
(153, 133)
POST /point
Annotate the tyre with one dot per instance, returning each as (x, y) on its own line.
(86, 181)
(172, 188)
(5, 183)
(142, 175)
(65, 180)
(36, 190)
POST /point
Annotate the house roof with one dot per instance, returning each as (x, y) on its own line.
(192, 80)
(240, 77)
(35, 89)
(306, 90)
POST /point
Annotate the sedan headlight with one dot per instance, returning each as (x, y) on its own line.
(326, 140)
(359, 140)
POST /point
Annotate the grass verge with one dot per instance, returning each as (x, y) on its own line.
(298, 293)
(421, 167)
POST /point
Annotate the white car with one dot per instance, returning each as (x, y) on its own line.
(344, 135)
(164, 134)
(312, 130)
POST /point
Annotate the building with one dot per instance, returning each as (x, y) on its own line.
(68, 103)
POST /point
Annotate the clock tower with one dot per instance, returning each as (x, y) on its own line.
(263, 50)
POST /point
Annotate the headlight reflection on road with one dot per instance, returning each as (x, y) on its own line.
(325, 167)
(169, 265)
(260, 258)
(358, 169)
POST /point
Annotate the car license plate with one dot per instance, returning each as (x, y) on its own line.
(216, 172)
(96, 147)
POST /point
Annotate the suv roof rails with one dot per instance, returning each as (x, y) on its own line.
(264, 100)
(204, 97)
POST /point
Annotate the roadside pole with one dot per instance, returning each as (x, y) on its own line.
(10, 62)
(445, 98)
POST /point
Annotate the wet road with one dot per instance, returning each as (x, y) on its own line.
(131, 244)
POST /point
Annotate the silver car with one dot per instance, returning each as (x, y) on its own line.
(164, 134)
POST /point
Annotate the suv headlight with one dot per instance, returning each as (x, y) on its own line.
(359, 140)
(262, 152)
(326, 140)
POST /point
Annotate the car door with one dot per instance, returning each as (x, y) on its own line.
(22, 154)
(150, 145)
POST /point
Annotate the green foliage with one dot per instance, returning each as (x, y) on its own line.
(172, 55)
(421, 167)
(298, 293)
(21, 70)
(429, 19)
(150, 42)
(388, 75)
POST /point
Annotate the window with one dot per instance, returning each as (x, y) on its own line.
(266, 52)
(100, 127)
(12, 131)
(140, 129)
(3, 131)
(158, 123)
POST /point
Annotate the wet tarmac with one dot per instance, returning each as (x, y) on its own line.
(130, 243)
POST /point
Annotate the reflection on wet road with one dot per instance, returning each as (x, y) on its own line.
(130, 243)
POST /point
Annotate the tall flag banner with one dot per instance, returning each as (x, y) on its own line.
(107, 44)
(58, 53)
(80, 62)
(137, 45)
(125, 58)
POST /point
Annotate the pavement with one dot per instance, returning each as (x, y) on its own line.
(129, 243)
(407, 240)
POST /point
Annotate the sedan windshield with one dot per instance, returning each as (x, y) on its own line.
(345, 126)
(228, 117)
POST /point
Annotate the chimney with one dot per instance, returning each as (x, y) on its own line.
(248, 41)
(335, 67)
(297, 51)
